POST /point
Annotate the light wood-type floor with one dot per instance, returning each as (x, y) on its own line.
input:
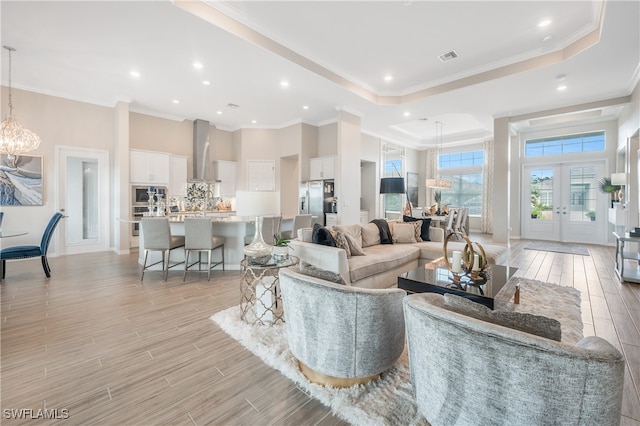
(97, 342)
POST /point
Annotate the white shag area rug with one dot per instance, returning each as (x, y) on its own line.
(389, 400)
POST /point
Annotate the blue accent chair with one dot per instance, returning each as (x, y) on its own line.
(24, 252)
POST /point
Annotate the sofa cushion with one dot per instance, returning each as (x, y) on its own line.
(354, 247)
(424, 228)
(548, 328)
(354, 230)
(311, 270)
(379, 259)
(403, 233)
(321, 235)
(370, 235)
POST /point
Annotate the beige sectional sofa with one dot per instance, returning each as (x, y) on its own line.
(381, 264)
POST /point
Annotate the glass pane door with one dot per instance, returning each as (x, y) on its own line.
(562, 203)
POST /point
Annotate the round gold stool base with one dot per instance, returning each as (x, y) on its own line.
(336, 382)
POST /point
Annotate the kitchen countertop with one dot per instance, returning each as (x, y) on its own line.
(179, 218)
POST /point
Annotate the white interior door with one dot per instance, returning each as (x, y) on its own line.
(561, 202)
(83, 196)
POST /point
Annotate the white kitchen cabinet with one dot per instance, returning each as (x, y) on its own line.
(178, 176)
(225, 173)
(322, 168)
(149, 167)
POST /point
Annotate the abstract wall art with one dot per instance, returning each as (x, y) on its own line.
(20, 180)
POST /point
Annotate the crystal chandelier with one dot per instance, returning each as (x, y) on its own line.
(15, 139)
(438, 183)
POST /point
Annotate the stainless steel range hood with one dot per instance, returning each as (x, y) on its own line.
(201, 163)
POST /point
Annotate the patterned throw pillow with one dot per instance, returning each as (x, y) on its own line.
(424, 228)
(341, 242)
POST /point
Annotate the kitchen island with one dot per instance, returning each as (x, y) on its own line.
(232, 228)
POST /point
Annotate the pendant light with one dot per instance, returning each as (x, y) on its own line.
(438, 183)
(15, 139)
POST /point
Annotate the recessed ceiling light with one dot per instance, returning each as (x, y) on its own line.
(254, 121)
(562, 87)
(175, 101)
(305, 106)
(198, 65)
(206, 82)
(134, 73)
(561, 77)
(219, 112)
(284, 83)
(388, 77)
(544, 23)
(407, 114)
(547, 38)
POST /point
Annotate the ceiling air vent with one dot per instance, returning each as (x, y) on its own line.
(232, 105)
(448, 56)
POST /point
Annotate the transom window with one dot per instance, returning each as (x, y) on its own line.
(568, 144)
(461, 159)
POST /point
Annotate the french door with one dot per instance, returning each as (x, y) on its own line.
(83, 197)
(561, 202)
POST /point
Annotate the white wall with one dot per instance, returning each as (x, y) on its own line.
(56, 121)
(327, 140)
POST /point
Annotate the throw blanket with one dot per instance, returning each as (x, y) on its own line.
(385, 232)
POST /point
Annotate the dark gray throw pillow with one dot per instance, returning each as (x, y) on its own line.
(313, 271)
(426, 223)
(548, 328)
(321, 235)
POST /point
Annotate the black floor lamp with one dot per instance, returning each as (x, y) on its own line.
(394, 185)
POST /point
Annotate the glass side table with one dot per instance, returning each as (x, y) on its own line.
(260, 298)
(623, 256)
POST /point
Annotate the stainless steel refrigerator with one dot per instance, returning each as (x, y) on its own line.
(316, 198)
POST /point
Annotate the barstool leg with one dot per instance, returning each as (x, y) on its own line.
(186, 263)
(144, 264)
(209, 264)
(165, 268)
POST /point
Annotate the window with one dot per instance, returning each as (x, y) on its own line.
(464, 171)
(393, 167)
(465, 192)
(569, 144)
(461, 159)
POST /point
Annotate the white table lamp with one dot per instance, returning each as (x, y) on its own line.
(257, 204)
(619, 179)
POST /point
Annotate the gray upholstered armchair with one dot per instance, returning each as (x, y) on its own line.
(341, 335)
(468, 371)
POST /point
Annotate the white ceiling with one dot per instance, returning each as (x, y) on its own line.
(334, 55)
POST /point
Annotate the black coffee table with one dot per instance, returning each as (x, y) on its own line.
(434, 277)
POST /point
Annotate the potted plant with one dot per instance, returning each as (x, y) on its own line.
(280, 250)
(591, 215)
(607, 187)
(437, 197)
